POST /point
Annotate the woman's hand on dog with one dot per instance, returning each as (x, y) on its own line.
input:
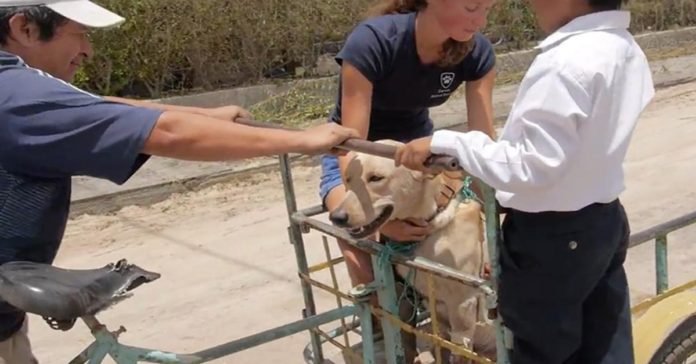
(406, 230)
(414, 154)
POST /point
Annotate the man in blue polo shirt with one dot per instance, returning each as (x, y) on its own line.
(51, 131)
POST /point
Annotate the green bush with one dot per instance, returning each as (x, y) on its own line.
(651, 15)
(176, 45)
(181, 46)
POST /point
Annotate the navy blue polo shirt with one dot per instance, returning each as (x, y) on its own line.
(49, 132)
(384, 50)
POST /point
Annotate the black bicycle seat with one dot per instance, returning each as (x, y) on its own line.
(63, 295)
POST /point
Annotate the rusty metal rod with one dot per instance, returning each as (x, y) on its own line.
(334, 282)
(326, 288)
(442, 162)
(428, 337)
(432, 306)
(326, 265)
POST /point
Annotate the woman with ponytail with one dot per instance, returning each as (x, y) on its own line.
(408, 56)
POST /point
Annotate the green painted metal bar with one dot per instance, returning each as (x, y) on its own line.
(493, 237)
(661, 266)
(98, 356)
(295, 234)
(84, 356)
(106, 344)
(662, 229)
(103, 345)
(273, 334)
(368, 339)
(333, 334)
(354, 324)
(386, 293)
(375, 249)
(131, 355)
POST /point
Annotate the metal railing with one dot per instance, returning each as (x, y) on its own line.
(659, 234)
(384, 285)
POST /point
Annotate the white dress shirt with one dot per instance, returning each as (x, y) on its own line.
(565, 140)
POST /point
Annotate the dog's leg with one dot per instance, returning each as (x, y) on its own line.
(442, 317)
(485, 341)
(463, 317)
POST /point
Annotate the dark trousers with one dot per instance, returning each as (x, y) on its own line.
(563, 291)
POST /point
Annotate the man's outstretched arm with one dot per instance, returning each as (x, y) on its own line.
(78, 134)
(197, 137)
(230, 112)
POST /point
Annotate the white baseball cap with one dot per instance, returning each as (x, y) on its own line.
(84, 12)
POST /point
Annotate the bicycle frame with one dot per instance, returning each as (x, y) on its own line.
(301, 222)
(106, 343)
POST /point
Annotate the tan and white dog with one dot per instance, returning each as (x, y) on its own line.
(378, 191)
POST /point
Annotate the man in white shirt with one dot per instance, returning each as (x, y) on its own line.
(557, 168)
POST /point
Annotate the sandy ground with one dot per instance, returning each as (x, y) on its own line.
(228, 269)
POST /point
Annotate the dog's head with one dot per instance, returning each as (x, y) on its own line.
(378, 191)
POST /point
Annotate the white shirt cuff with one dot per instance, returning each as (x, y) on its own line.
(445, 142)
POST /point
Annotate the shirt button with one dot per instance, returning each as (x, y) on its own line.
(573, 245)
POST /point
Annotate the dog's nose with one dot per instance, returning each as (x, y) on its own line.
(339, 217)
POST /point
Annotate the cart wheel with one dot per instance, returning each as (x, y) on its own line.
(680, 345)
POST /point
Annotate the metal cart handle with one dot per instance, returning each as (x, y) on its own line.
(443, 162)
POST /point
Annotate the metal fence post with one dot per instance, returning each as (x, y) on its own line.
(386, 293)
(661, 266)
(295, 234)
(493, 237)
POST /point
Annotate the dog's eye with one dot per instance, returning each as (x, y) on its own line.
(374, 178)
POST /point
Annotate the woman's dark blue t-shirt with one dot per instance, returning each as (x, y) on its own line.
(384, 50)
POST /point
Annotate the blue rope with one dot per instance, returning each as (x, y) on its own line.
(391, 248)
(466, 193)
(384, 258)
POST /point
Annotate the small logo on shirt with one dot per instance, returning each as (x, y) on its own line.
(446, 79)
